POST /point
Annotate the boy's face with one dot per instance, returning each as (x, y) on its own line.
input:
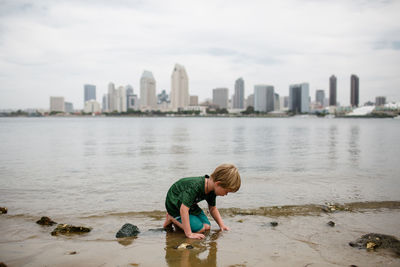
(220, 191)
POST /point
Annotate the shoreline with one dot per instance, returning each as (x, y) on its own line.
(300, 238)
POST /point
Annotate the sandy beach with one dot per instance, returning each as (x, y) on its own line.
(301, 238)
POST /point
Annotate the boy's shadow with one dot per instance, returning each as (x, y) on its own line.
(191, 257)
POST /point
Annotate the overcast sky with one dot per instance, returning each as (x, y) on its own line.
(52, 48)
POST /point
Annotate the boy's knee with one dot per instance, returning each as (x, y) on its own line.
(207, 227)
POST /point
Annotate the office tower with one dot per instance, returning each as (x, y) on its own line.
(277, 104)
(162, 97)
(148, 99)
(112, 102)
(133, 102)
(380, 101)
(320, 97)
(238, 97)
(220, 97)
(286, 100)
(332, 91)
(68, 107)
(129, 92)
(354, 91)
(299, 98)
(194, 100)
(179, 88)
(92, 106)
(121, 99)
(89, 92)
(57, 104)
(250, 101)
(105, 103)
(264, 98)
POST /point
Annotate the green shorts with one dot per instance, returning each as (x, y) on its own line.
(196, 221)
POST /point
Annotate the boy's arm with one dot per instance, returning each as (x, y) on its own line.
(217, 217)
(184, 211)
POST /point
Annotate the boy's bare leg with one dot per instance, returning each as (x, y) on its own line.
(206, 227)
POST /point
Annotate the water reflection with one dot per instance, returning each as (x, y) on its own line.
(354, 149)
(332, 145)
(204, 252)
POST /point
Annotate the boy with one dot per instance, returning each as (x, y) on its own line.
(183, 196)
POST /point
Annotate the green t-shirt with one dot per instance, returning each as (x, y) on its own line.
(188, 191)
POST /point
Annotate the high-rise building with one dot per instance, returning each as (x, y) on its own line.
(299, 98)
(121, 99)
(105, 103)
(354, 91)
(238, 97)
(129, 92)
(89, 92)
(332, 91)
(68, 107)
(320, 97)
(380, 101)
(250, 101)
(112, 101)
(57, 104)
(194, 100)
(220, 97)
(277, 104)
(148, 99)
(264, 97)
(92, 106)
(163, 97)
(133, 102)
(179, 88)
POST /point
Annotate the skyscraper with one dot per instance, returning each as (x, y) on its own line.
(179, 88)
(220, 97)
(354, 91)
(112, 105)
(148, 99)
(320, 97)
(332, 91)
(238, 97)
(380, 101)
(299, 98)
(264, 98)
(57, 104)
(89, 92)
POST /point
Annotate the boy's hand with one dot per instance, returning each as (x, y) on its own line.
(195, 236)
(224, 228)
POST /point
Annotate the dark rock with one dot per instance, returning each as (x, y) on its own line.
(2, 264)
(46, 221)
(3, 210)
(72, 253)
(353, 265)
(66, 229)
(373, 241)
(273, 224)
(128, 230)
(331, 223)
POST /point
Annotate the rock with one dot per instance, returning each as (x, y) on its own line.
(2, 264)
(331, 223)
(3, 210)
(66, 229)
(273, 224)
(127, 230)
(72, 253)
(373, 241)
(184, 246)
(46, 221)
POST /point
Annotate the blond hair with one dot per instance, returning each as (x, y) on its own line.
(228, 177)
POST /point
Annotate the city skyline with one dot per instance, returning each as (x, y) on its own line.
(52, 48)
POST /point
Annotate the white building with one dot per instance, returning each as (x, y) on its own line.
(220, 97)
(121, 99)
(179, 88)
(194, 100)
(57, 104)
(264, 98)
(92, 106)
(148, 99)
(112, 101)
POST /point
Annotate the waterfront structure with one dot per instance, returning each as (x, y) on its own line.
(250, 101)
(299, 98)
(264, 98)
(332, 91)
(121, 99)
(276, 102)
(179, 88)
(354, 90)
(238, 97)
(129, 92)
(220, 97)
(320, 97)
(148, 99)
(89, 92)
(57, 104)
(112, 101)
(163, 97)
(68, 107)
(193, 100)
(133, 102)
(380, 101)
(92, 106)
(105, 103)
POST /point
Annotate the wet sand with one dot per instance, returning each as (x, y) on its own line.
(302, 238)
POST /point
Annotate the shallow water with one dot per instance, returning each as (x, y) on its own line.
(96, 166)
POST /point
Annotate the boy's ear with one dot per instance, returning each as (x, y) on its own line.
(217, 183)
